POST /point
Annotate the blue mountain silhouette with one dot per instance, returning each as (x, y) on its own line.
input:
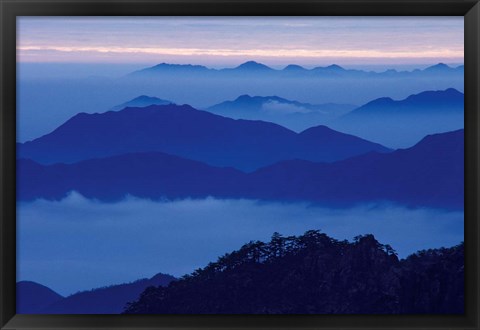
(166, 68)
(401, 123)
(246, 103)
(428, 174)
(140, 102)
(147, 175)
(449, 100)
(255, 68)
(294, 67)
(107, 300)
(440, 67)
(32, 297)
(188, 133)
(294, 115)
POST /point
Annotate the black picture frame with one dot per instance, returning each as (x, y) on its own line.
(10, 9)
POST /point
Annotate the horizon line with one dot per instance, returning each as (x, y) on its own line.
(275, 67)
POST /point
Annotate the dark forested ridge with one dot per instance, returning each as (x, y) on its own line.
(315, 274)
(428, 174)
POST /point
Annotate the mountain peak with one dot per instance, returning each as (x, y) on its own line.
(35, 296)
(318, 129)
(294, 67)
(244, 97)
(438, 67)
(452, 91)
(442, 96)
(141, 102)
(169, 65)
(145, 98)
(252, 65)
(381, 101)
(441, 141)
(335, 67)
(169, 68)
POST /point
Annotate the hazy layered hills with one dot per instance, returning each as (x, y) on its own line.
(401, 123)
(428, 174)
(254, 68)
(291, 114)
(433, 102)
(186, 132)
(394, 123)
(34, 298)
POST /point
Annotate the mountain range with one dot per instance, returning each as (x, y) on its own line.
(189, 133)
(34, 298)
(394, 123)
(427, 174)
(401, 123)
(292, 70)
(294, 115)
(140, 102)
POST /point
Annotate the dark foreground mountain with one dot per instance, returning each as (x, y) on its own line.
(294, 115)
(107, 300)
(428, 174)
(400, 124)
(431, 173)
(316, 274)
(146, 175)
(189, 133)
(32, 297)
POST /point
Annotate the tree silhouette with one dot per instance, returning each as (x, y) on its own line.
(314, 273)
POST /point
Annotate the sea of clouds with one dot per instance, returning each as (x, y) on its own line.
(77, 244)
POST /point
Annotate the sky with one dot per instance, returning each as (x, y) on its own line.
(229, 41)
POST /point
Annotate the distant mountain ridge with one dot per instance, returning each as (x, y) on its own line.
(107, 300)
(253, 67)
(407, 177)
(140, 102)
(402, 123)
(294, 115)
(449, 100)
(189, 133)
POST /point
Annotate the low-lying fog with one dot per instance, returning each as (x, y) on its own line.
(78, 244)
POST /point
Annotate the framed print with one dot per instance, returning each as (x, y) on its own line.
(222, 164)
